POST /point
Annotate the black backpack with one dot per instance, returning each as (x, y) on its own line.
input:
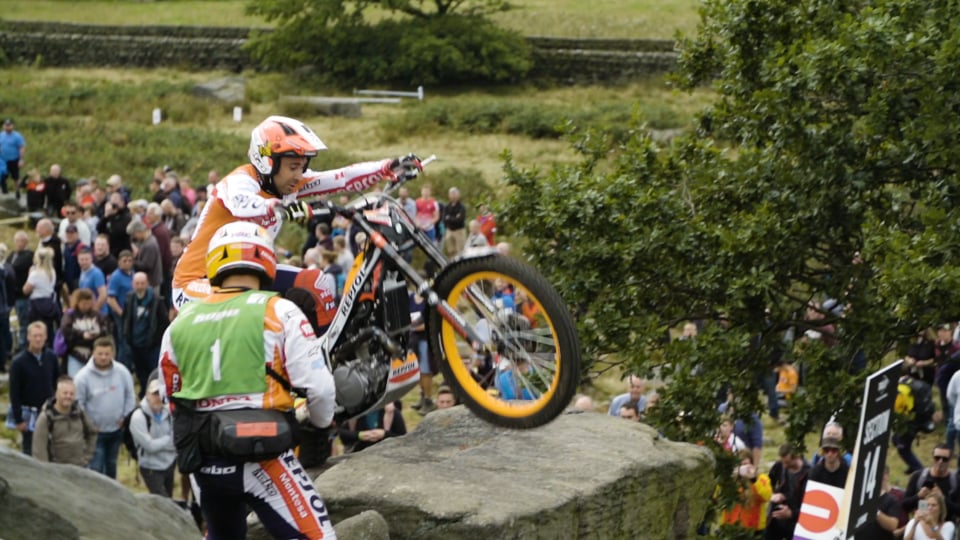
(915, 401)
(128, 441)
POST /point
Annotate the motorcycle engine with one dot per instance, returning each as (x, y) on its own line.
(360, 381)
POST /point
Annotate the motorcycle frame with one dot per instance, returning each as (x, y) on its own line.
(379, 251)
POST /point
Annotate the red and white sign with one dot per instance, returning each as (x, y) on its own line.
(819, 513)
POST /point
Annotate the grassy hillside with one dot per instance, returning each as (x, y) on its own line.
(568, 18)
(96, 122)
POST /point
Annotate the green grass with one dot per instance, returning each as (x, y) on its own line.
(645, 19)
(560, 18)
(192, 13)
(95, 122)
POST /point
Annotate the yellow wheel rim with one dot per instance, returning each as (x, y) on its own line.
(550, 364)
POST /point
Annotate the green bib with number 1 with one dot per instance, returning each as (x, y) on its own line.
(219, 346)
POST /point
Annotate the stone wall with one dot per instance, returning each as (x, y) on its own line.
(192, 47)
(72, 45)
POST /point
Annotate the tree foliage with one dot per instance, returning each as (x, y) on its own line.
(835, 132)
(278, 10)
(444, 41)
(426, 9)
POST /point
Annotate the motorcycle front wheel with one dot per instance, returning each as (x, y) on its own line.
(526, 369)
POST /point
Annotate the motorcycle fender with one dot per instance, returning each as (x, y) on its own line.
(475, 253)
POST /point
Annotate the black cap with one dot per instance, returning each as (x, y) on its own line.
(830, 442)
(8, 122)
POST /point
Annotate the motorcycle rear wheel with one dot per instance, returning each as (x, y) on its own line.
(528, 370)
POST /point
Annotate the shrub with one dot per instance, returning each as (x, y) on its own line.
(442, 50)
(535, 120)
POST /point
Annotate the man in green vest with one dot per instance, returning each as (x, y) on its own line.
(229, 363)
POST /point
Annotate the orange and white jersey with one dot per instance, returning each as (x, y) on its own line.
(290, 348)
(239, 197)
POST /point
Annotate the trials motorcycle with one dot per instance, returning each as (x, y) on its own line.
(505, 342)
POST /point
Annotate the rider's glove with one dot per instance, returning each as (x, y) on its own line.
(406, 167)
(297, 211)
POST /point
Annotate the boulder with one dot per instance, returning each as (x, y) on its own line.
(585, 475)
(9, 206)
(48, 500)
(368, 525)
(227, 89)
(326, 106)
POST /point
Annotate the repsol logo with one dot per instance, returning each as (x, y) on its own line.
(315, 502)
(405, 368)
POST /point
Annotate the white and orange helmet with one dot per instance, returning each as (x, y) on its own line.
(241, 247)
(279, 136)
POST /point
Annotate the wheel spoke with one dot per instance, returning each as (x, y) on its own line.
(513, 376)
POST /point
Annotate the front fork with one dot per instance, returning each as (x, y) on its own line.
(423, 288)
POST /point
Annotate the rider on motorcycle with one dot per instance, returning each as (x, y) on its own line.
(268, 189)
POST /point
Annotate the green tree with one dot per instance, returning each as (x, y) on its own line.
(437, 8)
(834, 134)
(420, 42)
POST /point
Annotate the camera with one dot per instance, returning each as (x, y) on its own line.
(922, 506)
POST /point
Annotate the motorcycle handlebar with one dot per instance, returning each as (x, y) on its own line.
(407, 176)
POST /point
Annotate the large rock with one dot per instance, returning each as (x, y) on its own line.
(584, 475)
(227, 89)
(326, 106)
(43, 500)
(367, 525)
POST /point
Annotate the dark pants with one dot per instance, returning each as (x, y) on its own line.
(768, 381)
(226, 498)
(123, 348)
(26, 442)
(144, 362)
(159, 482)
(6, 340)
(23, 313)
(904, 444)
(780, 529)
(13, 171)
(105, 457)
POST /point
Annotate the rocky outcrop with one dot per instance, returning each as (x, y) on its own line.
(43, 500)
(229, 90)
(585, 475)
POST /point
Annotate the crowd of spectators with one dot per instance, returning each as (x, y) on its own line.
(927, 508)
(91, 300)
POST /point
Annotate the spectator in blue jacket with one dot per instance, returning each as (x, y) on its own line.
(12, 149)
(33, 380)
